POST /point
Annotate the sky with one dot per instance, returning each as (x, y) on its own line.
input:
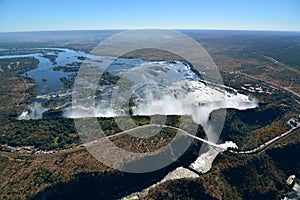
(43, 15)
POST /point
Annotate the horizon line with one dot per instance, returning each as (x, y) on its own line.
(176, 29)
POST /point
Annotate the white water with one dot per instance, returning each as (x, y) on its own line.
(33, 111)
(204, 162)
(183, 93)
(165, 88)
(185, 96)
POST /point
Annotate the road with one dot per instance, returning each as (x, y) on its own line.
(155, 125)
(283, 135)
(269, 82)
(217, 146)
(88, 144)
(195, 137)
(268, 143)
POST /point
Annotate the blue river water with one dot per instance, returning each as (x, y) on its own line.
(44, 70)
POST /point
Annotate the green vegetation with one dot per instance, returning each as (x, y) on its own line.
(286, 76)
(51, 174)
(16, 91)
(149, 144)
(67, 82)
(15, 66)
(47, 134)
(106, 79)
(59, 133)
(110, 126)
(75, 173)
(66, 68)
(81, 57)
(21, 51)
(253, 127)
(73, 67)
(52, 58)
(240, 126)
(239, 177)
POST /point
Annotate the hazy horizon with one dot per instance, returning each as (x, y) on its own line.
(175, 29)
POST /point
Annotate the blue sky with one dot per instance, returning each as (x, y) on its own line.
(35, 15)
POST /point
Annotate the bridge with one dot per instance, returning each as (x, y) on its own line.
(216, 146)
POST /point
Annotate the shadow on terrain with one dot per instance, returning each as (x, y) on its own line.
(113, 184)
